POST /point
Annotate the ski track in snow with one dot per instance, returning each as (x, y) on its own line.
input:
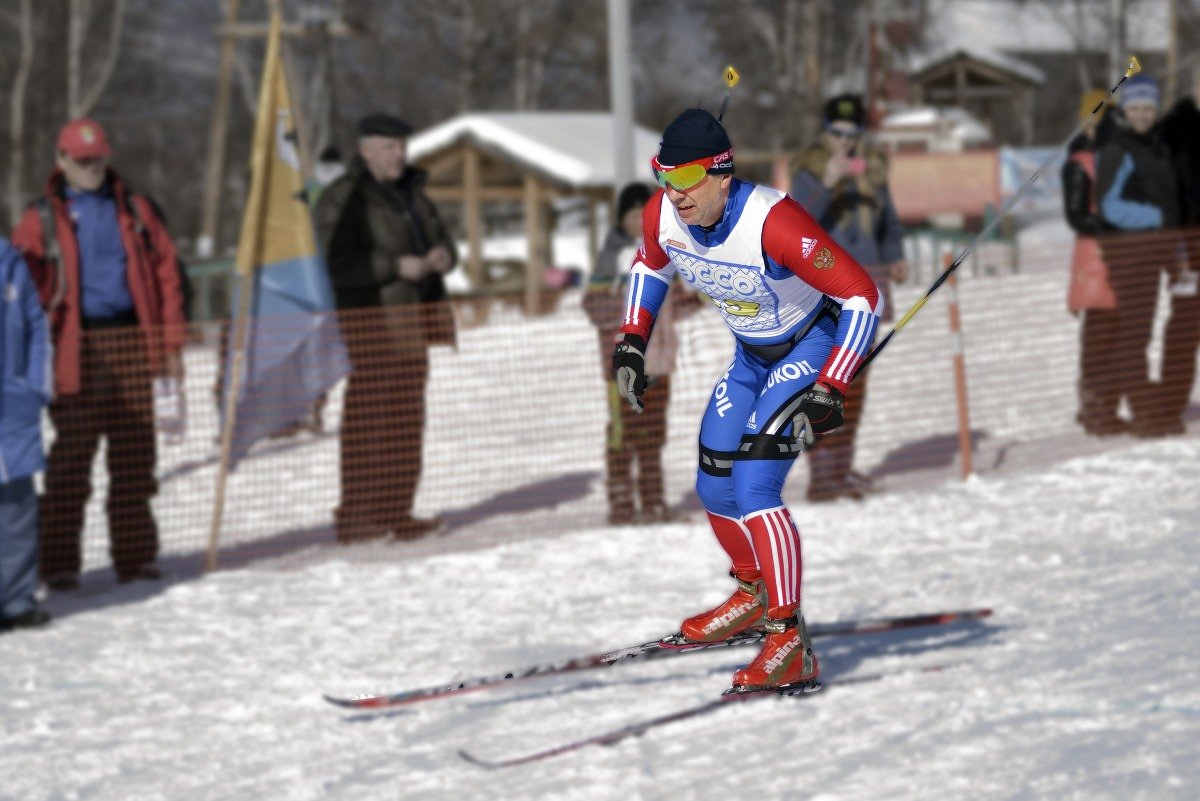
(1080, 687)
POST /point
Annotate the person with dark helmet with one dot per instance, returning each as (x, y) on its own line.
(803, 314)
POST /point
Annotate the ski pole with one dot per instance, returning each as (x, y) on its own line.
(1134, 68)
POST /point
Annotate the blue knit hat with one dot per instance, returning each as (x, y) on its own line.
(694, 135)
(1140, 89)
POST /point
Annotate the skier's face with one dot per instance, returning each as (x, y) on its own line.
(704, 203)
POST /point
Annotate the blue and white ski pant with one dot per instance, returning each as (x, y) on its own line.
(746, 446)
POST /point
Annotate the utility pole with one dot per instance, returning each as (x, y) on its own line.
(1118, 59)
(620, 92)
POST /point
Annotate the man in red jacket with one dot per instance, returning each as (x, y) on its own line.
(105, 270)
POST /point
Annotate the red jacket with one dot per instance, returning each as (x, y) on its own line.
(150, 269)
(1090, 287)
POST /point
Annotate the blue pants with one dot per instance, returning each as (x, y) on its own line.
(746, 447)
(18, 546)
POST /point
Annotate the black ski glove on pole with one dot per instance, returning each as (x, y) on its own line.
(629, 364)
(820, 412)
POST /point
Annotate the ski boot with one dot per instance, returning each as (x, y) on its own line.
(745, 609)
(786, 658)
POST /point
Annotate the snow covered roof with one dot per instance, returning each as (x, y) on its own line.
(1042, 26)
(1000, 61)
(965, 123)
(573, 148)
(940, 127)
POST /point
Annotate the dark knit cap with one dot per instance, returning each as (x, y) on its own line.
(631, 196)
(845, 108)
(380, 124)
(694, 135)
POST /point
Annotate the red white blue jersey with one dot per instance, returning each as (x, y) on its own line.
(768, 266)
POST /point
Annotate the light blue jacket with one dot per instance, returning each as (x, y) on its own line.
(26, 373)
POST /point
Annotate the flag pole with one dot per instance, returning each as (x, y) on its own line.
(248, 246)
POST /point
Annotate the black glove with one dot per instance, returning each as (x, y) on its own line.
(629, 364)
(820, 412)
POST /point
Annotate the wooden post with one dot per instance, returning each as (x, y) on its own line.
(533, 243)
(214, 167)
(960, 85)
(248, 248)
(1172, 53)
(960, 372)
(1027, 115)
(473, 214)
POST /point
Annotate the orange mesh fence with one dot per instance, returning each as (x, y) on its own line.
(501, 424)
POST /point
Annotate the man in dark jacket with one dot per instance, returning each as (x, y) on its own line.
(108, 276)
(843, 182)
(1181, 132)
(26, 379)
(1139, 208)
(387, 252)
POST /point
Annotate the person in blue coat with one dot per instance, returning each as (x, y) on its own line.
(26, 381)
(842, 181)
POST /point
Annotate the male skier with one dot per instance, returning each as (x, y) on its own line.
(803, 316)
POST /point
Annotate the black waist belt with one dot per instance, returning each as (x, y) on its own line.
(122, 320)
(773, 353)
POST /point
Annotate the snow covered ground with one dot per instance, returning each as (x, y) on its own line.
(1082, 686)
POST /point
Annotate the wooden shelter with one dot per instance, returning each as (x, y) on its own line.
(995, 88)
(531, 158)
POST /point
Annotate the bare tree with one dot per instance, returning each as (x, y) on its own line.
(524, 46)
(459, 29)
(1077, 19)
(472, 35)
(539, 28)
(16, 124)
(79, 101)
(787, 35)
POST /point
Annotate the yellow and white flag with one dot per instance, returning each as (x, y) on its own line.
(292, 350)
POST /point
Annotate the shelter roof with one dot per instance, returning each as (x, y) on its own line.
(571, 148)
(1007, 64)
